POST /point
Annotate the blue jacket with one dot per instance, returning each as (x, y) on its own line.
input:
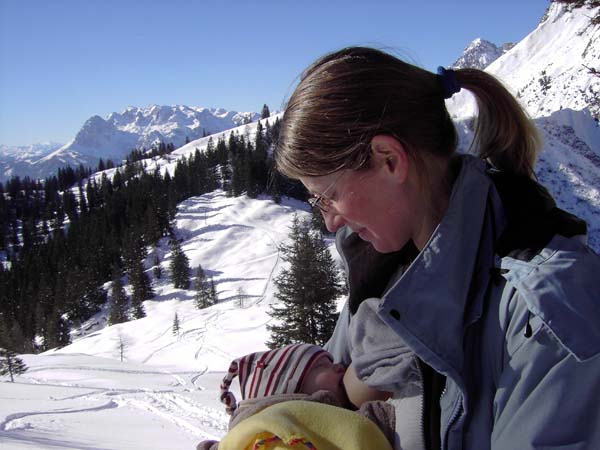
(517, 335)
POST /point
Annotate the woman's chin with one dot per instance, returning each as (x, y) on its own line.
(379, 245)
(383, 247)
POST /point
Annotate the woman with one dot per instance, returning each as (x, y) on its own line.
(466, 259)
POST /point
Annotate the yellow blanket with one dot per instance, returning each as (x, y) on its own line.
(301, 425)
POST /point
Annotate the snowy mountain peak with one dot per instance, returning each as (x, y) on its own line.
(118, 134)
(548, 72)
(560, 55)
(480, 53)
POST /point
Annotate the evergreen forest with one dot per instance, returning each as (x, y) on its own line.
(63, 238)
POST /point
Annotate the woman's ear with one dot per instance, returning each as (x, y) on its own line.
(391, 152)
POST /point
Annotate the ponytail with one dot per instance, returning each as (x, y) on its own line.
(347, 97)
(504, 135)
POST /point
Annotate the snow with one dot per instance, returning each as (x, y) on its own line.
(118, 134)
(17, 160)
(164, 395)
(559, 48)
(77, 401)
(479, 54)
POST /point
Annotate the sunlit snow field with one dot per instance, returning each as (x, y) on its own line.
(164, 395)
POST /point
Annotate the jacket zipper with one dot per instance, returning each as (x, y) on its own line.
(423, 407)
(430, 406)
(455, 415)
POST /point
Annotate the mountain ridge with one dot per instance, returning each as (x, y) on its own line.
(480, 53)
(116, 135)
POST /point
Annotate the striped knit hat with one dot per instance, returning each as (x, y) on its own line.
(278, 371)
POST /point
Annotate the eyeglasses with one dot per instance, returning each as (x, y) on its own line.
(321, 201)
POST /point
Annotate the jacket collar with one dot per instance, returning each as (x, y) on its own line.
(441, 292)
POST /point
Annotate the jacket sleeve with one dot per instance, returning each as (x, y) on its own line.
(339, 343)
(545, 397)
(380, 357)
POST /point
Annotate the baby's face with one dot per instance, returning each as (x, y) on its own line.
(326, 376)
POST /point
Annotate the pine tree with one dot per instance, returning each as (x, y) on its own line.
(260, 163)
(176, 325)
(11, 364)
(265, 113)
(157, 270)
(240, 297)
(202, 298)
(118, 307)
(317, 221)
(83, 207)
(56, 331)
(180, 266)
(307, 290)
(141, 288)
(274, 182)
(214, 298)
(238, 175)
(137, 307)
(121, 346)
(89, 294)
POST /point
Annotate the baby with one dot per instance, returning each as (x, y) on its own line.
(296, 393)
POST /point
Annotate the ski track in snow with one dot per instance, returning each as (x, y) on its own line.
(102, 369)
(178, 408)
(181, 411)
(270, 236)
(185, 413)
(211, 321)
(6, 424)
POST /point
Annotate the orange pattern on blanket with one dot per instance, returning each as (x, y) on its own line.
(264, 443)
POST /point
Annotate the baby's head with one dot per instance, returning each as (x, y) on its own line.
(293, 369)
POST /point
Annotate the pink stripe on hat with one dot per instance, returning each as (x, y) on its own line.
(257, 374)
(307, 368)
(277, 371)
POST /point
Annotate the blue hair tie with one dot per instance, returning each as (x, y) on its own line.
(449, 83)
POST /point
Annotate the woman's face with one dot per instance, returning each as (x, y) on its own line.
(371, 202)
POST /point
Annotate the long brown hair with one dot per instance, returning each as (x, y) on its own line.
(347, 97)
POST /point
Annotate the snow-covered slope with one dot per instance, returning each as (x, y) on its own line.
(546, 71)
(164, 395)
(118, 134)
(168, 162)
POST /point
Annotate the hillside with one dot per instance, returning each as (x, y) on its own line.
(546, 72)
(165, 382)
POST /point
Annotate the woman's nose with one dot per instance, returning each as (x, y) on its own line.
(333, 220)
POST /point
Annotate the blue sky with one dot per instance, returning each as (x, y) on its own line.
(62, 61)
